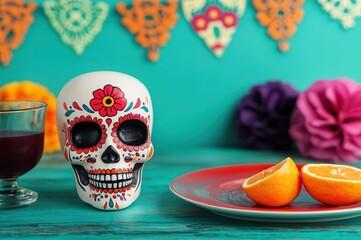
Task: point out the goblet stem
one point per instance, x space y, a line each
7 186
12 195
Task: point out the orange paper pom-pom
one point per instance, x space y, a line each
27 90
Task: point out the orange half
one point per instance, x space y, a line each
276 186
332 184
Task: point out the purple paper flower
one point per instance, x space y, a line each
263 116
326 123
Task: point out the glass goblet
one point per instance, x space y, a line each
21 147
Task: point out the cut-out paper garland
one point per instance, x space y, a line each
77 21
280 18
150 21
215 21
15 20
345 11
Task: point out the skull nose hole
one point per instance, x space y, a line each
110 155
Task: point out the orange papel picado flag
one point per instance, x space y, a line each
15 20
280 17
150 21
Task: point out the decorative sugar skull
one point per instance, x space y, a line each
104 121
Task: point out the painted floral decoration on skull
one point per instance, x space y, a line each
108 101
104 121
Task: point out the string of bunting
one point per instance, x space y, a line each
78 22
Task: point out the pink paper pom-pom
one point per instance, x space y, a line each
326 123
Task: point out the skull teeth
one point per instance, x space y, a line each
110 180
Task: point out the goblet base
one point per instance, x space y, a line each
13 196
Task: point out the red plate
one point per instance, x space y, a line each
220 190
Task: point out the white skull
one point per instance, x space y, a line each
104 122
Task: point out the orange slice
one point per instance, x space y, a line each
332 184
276 186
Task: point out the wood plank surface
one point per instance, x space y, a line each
157 213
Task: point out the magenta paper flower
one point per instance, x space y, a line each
326 123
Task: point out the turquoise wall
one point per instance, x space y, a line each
194 93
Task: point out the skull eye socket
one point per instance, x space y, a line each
85 134
132 132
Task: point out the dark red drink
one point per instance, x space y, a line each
20 152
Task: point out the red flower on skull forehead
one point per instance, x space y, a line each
108 101
94 148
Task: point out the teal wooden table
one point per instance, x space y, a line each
157 213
